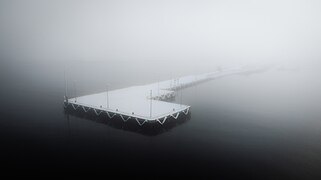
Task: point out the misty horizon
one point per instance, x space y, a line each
261 124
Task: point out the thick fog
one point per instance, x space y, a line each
128 42
260 124
40 39
227 31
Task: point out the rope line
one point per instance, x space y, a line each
83 107
124 119
175 117
161 122
75 108
186 111
65 106
110 115
97 113
140 122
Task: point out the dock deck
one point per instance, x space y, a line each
144 103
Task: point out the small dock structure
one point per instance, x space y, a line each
145 103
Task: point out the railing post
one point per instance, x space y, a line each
75 91
151 100
107 98
181 89
66 87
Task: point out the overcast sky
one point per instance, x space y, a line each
228 30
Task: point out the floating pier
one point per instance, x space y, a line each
144 104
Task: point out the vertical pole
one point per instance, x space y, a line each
174 81
65 82
151 101
178 84
65 85
107 98
75 94
181 89
158 87
195 86
171 80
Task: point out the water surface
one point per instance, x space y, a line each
263 125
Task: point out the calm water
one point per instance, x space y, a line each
265 125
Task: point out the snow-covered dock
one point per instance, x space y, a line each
144 103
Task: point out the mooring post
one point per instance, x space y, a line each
75 92
181 89
151 100
107 98
174 84
158 86
66 98
171 80
178 83
178 86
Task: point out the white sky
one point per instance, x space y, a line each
193 30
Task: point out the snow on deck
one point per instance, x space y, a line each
136 101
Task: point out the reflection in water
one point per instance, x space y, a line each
148 129
251 125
